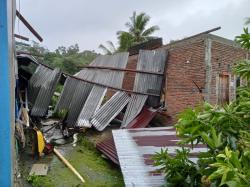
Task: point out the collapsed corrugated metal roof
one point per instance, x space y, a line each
82 99
153 61
106 77
149 61
107 146
141 144
83 94
110 110
41 87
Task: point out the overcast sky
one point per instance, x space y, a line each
91 22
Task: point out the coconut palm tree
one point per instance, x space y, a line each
137 31
109 49
247 21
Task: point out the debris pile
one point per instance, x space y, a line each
83 97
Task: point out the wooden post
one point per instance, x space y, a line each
68 164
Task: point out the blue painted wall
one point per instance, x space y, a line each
5 97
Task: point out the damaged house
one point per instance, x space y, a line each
132 88
199 68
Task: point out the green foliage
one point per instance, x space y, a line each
244 39
214 126
39 181
243 69
109 49
224 129
137 31
86 143
179 170
68 59
231 168
33 180
61 114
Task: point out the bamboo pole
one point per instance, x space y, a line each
68 164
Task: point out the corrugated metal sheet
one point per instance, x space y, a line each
107 146
80 96
83 98
135 147
110 110
72 87
41 88
92 104
106 77
143 119
153 61
134 107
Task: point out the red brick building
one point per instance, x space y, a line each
198 68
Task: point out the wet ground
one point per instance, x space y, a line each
96 170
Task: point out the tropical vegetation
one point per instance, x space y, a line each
138 32
68 59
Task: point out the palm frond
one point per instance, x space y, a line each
243 69
137 31
247 22
150 30
105 49
111 46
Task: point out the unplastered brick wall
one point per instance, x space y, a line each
193 70
129 77
185 76
223 58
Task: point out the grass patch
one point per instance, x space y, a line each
96 171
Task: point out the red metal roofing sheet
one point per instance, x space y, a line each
135 148
107 146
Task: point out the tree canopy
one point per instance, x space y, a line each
68 59
138 32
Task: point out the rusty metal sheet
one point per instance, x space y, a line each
135 148
107 146
143 119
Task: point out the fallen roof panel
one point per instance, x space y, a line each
107 146
113 78
82 99
41 88
153 61
110 110
141 144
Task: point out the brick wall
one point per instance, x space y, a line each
187 63
223 59
129 77
185 66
